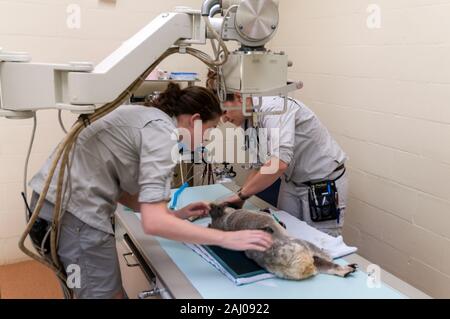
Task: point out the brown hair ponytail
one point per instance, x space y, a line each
175 101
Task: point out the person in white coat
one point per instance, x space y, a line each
308 160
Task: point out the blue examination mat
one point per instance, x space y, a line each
212 284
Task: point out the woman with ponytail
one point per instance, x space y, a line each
126 157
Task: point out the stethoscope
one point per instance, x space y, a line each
257 127
247 140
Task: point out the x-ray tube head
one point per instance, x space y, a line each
252 23
257 20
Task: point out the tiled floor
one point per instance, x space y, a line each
28 280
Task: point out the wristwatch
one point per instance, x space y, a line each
242 197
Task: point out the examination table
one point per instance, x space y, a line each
158 268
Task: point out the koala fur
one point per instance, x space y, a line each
288 258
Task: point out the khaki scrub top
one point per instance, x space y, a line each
299 139
128 150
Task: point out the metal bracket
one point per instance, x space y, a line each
151 293
14 56
281 92
14 115
128 263
77 109
198 27
284 90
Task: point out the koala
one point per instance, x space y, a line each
288 258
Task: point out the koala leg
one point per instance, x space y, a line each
327 267
315 251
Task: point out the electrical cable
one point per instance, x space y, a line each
61 123
61 159
62 154
221 42
27 161
181 170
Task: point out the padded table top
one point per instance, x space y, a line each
211 284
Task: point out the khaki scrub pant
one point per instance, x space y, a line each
88 255
295 201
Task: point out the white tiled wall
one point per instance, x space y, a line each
39 27
385 95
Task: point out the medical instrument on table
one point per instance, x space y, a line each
164 76
225 175
214 175
177 195
95 91
208 175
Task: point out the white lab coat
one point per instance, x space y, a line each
299 139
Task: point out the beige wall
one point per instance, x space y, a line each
385 95
39 27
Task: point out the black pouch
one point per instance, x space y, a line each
324 202
38 233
